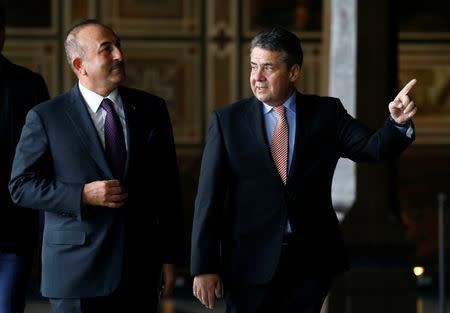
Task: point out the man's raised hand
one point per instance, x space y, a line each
402 109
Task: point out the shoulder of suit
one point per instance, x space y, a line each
313 98
310 102
18 72
54 104
142 100
139 94
237 106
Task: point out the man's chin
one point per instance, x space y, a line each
261 97
119 79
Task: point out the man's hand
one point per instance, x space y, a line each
167 279
108 193
402 109
207 288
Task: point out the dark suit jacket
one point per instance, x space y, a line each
20 90
84 247
237 160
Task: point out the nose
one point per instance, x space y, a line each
118 55
257 74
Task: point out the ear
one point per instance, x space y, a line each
77 65
294 72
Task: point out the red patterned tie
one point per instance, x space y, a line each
280 141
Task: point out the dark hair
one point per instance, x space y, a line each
280 40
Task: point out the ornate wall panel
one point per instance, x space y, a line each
76 10
221 54
31 17
153 17
301 16
423 20
170 70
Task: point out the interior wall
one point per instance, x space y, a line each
194 53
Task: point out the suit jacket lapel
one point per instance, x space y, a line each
129 110
78 113
255 121
301 132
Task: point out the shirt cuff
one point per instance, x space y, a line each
406 129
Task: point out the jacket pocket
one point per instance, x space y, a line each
65 237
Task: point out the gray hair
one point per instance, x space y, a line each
280 40
72 45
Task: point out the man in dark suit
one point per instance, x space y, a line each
272 157
20 90
100 160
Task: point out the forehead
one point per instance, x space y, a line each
259 55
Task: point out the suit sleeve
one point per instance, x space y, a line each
361 144
205 241
32 183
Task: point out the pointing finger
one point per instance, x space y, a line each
406 89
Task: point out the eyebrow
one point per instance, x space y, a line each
106 43
263 64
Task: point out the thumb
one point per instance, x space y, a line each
219 290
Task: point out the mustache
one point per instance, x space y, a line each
118 64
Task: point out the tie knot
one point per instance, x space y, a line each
107 105
280 110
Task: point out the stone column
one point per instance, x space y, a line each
342 84
381 278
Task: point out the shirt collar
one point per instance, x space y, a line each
93 99
289 104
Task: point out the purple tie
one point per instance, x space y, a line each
116 153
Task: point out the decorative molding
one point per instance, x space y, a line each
38 56
152 17
424 36
222 55
421 20
34 24
77 10
302 17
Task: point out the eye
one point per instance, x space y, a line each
106 49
